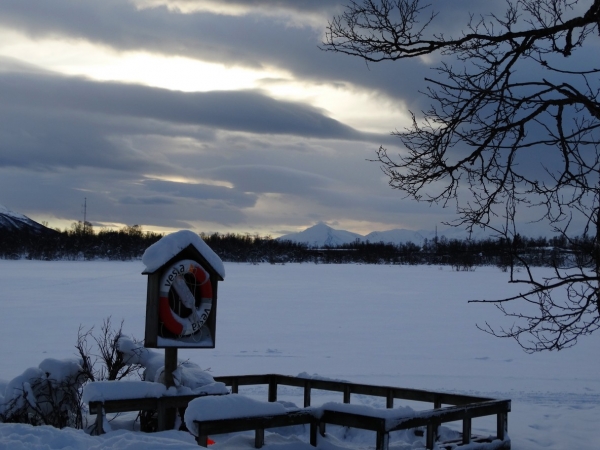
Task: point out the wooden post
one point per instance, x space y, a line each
502 425
431 435
99 421
170 365
259 437
272 388
466 430
347 394
313 432
382 440
307 393
389 400
202 440
166 417
429 439
322 428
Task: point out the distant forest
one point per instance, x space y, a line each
82 242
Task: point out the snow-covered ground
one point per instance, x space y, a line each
393 325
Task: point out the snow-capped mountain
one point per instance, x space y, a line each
321 235
11 221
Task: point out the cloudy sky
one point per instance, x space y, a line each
212 115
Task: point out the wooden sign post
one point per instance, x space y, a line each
181 303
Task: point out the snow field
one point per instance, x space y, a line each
408 326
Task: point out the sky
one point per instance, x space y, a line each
215 116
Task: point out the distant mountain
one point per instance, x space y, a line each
11 221
321 235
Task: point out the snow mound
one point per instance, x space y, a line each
16 436
227 407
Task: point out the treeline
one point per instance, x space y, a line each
82 242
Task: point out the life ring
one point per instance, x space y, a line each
186 297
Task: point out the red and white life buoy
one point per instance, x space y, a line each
186 297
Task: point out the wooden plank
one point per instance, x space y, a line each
219 426
244 380
124 405
453 413
354 420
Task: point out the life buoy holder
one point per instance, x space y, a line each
186 297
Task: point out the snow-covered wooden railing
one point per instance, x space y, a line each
461 407
112 397
106 397
233 413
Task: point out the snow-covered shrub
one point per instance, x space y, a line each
101 357
51 394
47 395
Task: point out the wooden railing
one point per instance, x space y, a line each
446 407
462 407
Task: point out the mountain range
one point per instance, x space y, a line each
14 222
321 235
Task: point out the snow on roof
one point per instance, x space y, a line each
170 245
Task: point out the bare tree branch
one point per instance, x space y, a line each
514 128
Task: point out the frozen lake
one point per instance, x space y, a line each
408 326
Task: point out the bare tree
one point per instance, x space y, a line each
513 129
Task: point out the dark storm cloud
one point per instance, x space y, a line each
30 138
249 111
253 41
47 120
